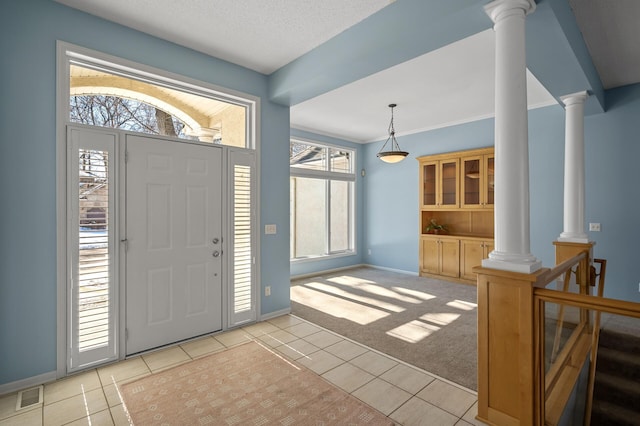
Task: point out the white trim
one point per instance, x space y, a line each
323 257
62 114
29 382
327 271
320 174
399 271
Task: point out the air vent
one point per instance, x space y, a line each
29 397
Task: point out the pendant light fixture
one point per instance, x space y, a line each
394 154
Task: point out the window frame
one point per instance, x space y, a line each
328 176
89 59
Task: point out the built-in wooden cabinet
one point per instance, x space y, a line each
439 255
440 188
456 190
472 251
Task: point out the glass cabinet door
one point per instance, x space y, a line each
471 181
477 179
489 161
449 183
429 184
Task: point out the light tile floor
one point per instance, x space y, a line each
408 395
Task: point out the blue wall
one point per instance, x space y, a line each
28 34
612 149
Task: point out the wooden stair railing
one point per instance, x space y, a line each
595 333
514 386
596 303
564 363
595 337
560 321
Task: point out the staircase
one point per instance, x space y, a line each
616 396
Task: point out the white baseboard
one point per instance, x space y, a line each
400 271
27 383
330 271
275 314
326 271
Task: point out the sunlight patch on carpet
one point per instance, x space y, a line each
415 293
440 318
461 304
350 280
374 289
336 306
327 288
413 331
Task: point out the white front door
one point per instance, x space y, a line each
174 241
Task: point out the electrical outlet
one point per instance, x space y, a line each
639 287
595 227
369 252
270 229
267 290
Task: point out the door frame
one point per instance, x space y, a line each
64 52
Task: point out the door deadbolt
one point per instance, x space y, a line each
215 241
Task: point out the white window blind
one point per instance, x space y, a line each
93 249
243 223
242 252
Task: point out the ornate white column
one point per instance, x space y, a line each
205 134
574 187
511 210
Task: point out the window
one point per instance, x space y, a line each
92 241
108 96
322 189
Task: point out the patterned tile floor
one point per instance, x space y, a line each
407 395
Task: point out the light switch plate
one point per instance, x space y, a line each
270 229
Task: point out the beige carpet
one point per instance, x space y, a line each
429 323
245 385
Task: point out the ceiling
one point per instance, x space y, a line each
432 91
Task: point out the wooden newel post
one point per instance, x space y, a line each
567 250
509 376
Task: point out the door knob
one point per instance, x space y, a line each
216 253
